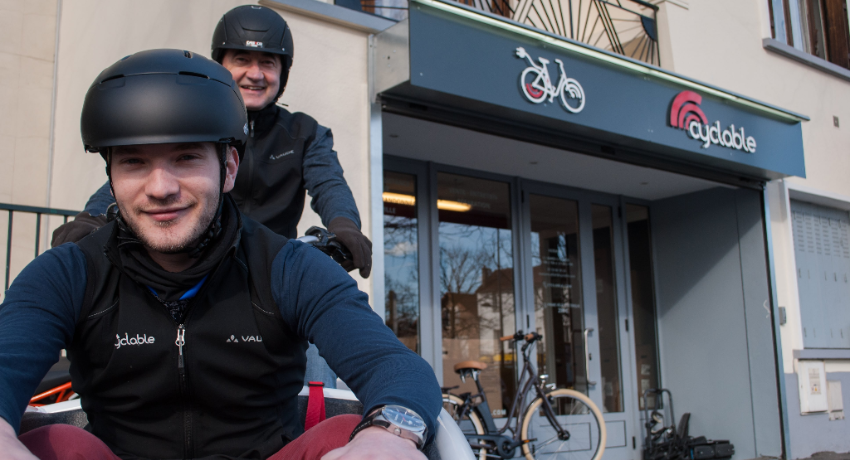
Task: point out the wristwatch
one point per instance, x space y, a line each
399 421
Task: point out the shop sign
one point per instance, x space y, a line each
537 85
685 113
516 77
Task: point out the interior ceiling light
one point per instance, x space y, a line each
398 198
456 206
410 200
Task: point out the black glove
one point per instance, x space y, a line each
360 247
82 226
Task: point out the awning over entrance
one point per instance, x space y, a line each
466 61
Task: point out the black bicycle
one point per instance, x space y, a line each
570 426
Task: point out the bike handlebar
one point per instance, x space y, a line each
530 337
327 242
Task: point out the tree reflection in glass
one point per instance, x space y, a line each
557 291
476 282
401 274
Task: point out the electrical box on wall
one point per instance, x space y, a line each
836 401
811 376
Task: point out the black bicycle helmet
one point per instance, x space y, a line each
255 28
160 97
163 96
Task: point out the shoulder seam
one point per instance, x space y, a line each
102 311
261 309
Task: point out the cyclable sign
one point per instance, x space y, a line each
537 85
685 113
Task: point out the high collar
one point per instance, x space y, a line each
128 255
262 120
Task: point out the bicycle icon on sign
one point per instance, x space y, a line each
537 86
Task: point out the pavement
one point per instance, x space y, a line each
829 456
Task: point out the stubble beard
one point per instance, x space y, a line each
165 242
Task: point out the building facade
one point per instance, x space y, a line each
655 187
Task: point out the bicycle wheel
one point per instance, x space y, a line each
577 414
535 95
572 90
470 422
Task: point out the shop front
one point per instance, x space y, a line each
537 184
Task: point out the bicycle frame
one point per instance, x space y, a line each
528 379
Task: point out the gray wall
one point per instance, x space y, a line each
715 331
814 432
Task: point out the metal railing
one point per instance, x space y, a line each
13 209
626 27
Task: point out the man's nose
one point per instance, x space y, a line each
254 72
161 184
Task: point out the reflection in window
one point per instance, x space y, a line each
606 309
557 291
643 301
476 283
401 275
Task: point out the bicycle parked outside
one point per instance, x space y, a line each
571 426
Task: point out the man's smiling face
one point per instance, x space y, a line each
168 193
257 74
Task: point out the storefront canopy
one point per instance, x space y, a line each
459 59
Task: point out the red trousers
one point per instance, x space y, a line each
66 442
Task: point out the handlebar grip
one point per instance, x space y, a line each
506 338
530 336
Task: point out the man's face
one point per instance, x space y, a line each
256 73
168 193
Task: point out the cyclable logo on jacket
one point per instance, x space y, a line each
537 86
686 114
137 340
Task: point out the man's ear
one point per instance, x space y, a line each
232 167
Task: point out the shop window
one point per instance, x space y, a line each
606 309
643 301
401 272
822 252
477 283
817 27
558 307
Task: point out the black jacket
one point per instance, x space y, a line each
270 183
136 386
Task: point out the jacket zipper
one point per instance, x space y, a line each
184 393
246 207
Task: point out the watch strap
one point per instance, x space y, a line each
373 420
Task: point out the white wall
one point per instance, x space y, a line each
328 81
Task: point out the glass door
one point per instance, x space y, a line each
575 272
476 280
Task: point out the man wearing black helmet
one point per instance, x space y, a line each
186 323
286 155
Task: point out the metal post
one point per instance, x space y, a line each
37 232
777 339
9 249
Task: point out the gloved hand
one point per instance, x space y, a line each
77 229
360 247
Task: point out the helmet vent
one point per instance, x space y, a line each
188 54
194 74
114 77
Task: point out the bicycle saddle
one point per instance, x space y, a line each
476 365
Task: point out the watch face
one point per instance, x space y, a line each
404 418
